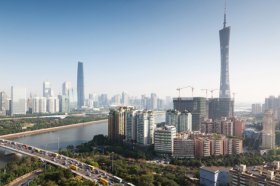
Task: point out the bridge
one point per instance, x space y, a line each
84 170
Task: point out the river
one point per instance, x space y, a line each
62 138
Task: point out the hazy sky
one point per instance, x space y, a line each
140 46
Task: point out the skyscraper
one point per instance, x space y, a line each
80 85
18 101
224 45
47 90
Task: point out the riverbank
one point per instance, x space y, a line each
46 130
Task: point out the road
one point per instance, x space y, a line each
84 170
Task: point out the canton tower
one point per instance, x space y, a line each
224 45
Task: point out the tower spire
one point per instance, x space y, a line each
225 15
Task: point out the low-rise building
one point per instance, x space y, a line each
267 175
214 176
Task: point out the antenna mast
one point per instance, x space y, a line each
225 15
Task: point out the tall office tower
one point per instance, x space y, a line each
196 105
153 101
66 88
68 93
224 45
4 103
80 85
47 89
18 101
268 133
130 127
164 138
145 123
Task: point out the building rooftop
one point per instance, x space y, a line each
215 169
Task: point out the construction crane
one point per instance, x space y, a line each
179 90
212 91
206 91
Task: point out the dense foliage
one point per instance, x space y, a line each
51 175
54 176
128 163
250 159
19 125
18 168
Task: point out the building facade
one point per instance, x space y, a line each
80 86
18 101
197 106
164 139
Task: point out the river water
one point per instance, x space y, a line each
62 138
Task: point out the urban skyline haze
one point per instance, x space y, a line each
140 46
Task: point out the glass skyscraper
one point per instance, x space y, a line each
80 86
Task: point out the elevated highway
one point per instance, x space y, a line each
84 170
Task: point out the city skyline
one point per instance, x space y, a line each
124 50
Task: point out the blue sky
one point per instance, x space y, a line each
140 46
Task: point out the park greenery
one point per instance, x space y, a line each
28 124
18 168
50 176
55 176
129 162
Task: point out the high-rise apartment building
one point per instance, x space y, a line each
80 85
164 138
172 117
185 122
145 127
18 101
183 147
202 147
239 126
52 105
131 126
4 103
268 133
